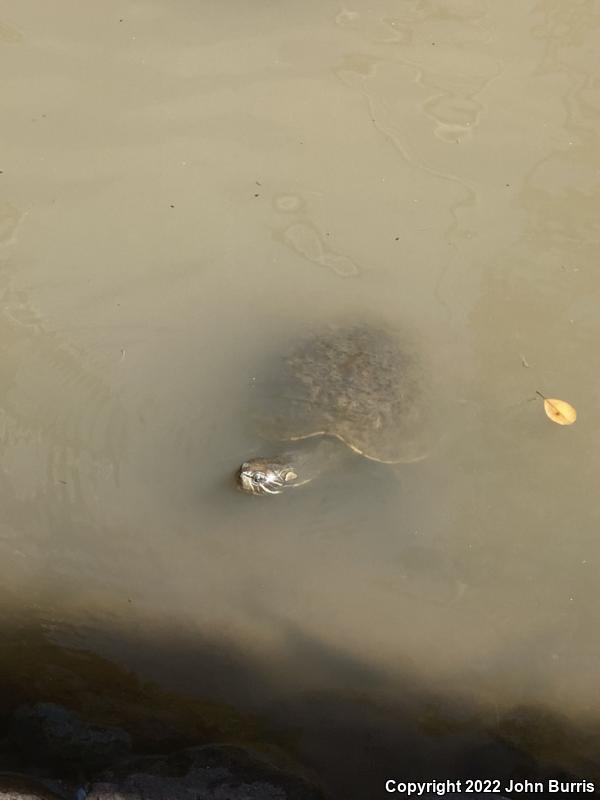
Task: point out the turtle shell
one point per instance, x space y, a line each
358 384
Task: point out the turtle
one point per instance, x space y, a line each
354 387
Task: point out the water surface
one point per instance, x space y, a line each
185 188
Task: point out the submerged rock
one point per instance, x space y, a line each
62 747
50 734
213 772
16 786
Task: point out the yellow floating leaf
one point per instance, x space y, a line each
559 411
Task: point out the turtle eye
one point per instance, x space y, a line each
259 477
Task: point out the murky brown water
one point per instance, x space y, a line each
187 186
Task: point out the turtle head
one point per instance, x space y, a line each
265 476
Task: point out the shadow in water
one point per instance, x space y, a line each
344 722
